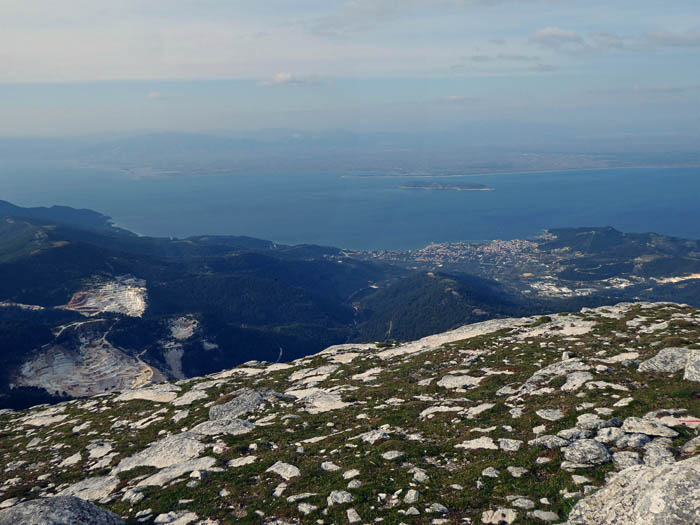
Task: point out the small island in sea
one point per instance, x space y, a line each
444 186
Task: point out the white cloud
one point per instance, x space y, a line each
569 41
602 39
155 95
671 39
97 40
659 89
543 68
458 99
359 15
558 39
516 57
284 78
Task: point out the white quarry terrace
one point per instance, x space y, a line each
94 365
125 295
583 418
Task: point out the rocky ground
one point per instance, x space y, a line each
587 418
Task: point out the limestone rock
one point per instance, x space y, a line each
633 441
517 472
162 393
353 516
351 474
509 445
576 380
452 381
285 470
667 361
231 427
636 425
609 435
306 508
189 398
61 510
490 472
590 422
499 516
658 453
164 453
479 443
548 441
692 367
92 489
373 436
664 495
572 434
338 497
550 414
176 518
543 515
546 374
673 417
329 466
322 401
587 452
175 471
626 459
437 508
246 401
411 497
691 447
523 503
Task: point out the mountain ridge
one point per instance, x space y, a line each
247 298
518 420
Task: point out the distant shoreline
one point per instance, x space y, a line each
511 172
444 187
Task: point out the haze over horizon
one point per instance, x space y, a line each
567 68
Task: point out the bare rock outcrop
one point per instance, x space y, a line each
245 401
664 495
58 511
667 361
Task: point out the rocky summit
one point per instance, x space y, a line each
581 418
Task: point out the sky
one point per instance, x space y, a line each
81 67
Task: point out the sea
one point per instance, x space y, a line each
367 211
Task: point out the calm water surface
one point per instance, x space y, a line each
365 212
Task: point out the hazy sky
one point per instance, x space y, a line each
84 66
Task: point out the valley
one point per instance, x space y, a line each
110 310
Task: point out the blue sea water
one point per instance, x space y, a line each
368 212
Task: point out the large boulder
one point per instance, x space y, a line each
232 427
692 367
637 425
642 495
165 453
92 489
61 510
667 361
587 452
246 400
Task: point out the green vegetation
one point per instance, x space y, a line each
394 400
